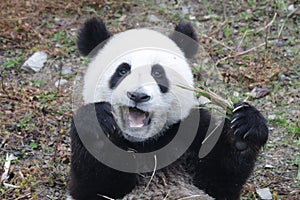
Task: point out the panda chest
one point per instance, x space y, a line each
172 182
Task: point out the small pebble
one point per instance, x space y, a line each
272 116
35 62
153 18
66 70
267 166
291 8
60 82
264 193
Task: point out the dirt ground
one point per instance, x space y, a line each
254 44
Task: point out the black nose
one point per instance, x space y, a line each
138 97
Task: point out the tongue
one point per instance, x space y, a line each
136 118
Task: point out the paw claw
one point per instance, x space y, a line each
234 120
247 133
240 107
248 125
237 108
236 131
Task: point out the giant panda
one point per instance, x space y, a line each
131 99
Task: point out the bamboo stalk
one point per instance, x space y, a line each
213 97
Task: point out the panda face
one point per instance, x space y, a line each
141 83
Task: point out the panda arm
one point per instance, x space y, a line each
227 167
90 178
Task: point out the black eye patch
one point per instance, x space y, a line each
159 75
121 72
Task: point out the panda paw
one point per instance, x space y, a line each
90 116
105 117
249 126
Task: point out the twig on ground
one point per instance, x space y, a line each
3 86
217 41
6 167
259 30
191 197
283 24
244 35
268 25
21 197
218 28
239 53
165 198
154 170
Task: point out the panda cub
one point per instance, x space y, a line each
132 100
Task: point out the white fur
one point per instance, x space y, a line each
142 48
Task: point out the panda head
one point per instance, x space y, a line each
138 72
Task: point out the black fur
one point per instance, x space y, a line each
185 37
92 34
89 177
227 167
221 174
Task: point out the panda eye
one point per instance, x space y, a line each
122 72
123 69
157 74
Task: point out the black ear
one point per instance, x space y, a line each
185 37
92 33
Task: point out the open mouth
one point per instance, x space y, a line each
136 118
